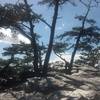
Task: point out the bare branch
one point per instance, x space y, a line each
59 55
95 3
41 19
24 25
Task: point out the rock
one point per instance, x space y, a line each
65 95
87 94
85 87
78 94
73 98
58 95
6 96
97 96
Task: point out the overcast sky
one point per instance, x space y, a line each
66 14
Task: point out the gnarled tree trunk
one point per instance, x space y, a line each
78 40
49 50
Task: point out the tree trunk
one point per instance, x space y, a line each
35 50
49 50
33 41
73 55
78 39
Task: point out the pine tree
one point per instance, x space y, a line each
56 4
82 33
90 57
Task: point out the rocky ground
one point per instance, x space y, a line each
84 85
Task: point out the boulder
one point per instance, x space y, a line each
86 94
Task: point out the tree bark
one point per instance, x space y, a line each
78 40
73 55
33 41
49 50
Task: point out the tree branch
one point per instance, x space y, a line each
41 19
58 55
25 25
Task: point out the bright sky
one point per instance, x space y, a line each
66 13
